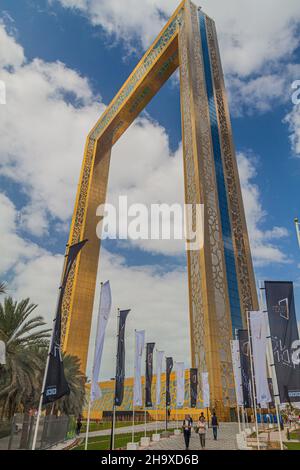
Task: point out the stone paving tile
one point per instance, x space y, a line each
226 440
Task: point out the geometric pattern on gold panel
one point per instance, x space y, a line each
246 279
213 320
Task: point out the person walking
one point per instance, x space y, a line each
214 425
201 425
78 425
187 427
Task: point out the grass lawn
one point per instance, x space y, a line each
105 425
103 442
295 434
292 445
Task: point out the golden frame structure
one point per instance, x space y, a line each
178 45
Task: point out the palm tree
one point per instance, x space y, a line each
2 288
21 379
73 403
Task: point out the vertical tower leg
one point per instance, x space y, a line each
79 298
210 313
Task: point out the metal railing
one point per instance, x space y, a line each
17 434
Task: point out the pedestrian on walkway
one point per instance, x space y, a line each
201 425
187 427
78 425
214 425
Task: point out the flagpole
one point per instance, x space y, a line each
252 378
297 224
88 422
132 423
270 357
156 428
135 351
236 392
239 420
112 435
114 424
145 416
166 410
243 417
47 361
89 408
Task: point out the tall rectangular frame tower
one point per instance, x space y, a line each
221 279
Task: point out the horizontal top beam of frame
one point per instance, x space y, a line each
158 63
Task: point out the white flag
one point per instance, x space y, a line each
236 364
258 325
205 390
139 347
179 369
2 353
103 315
159 365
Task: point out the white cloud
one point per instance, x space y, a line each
293 122
13 246
257 39
38 278
252 34
261 93
11 53
147 174
263 241
50 109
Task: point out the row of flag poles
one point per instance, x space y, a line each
140 347
270 346
266 355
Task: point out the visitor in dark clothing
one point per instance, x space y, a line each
187 427
214 425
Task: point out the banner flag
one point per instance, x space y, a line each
169 367
258 326
179 368
245 367
149 374
56 385
205 390
285 339
139 348
2 353
103 315
159 361
193 387
120 369
236 364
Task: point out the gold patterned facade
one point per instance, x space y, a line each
221 279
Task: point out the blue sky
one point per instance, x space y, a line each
62 62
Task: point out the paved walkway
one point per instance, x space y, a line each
226 440
151 426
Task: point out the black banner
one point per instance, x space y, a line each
193 387
285 338
169 367
149 374
120 369
245 367
56 385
